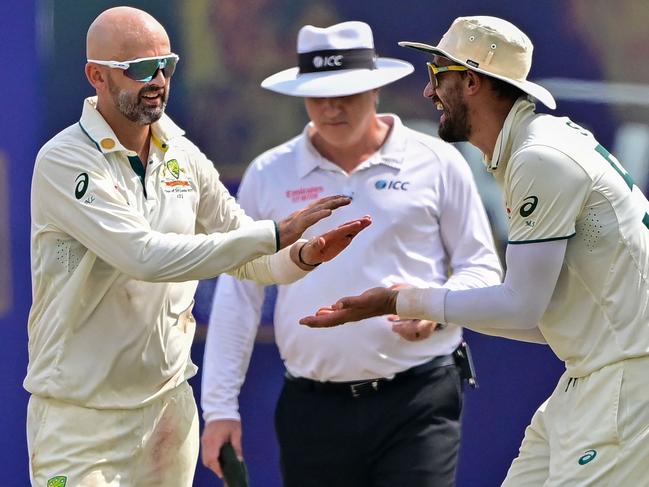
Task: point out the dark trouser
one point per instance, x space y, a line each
404 434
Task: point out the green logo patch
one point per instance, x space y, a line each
174 168
58 481
587 457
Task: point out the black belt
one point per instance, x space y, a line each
365 387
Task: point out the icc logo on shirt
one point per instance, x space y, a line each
397 185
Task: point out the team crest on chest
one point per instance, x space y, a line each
175 178
173 167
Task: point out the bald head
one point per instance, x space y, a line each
123 33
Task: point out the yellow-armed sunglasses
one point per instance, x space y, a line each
433 71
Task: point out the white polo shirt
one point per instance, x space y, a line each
559 182
427 220
116 252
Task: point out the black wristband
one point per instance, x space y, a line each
277 249
299 257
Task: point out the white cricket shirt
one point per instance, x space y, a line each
559 182
427 219
116 252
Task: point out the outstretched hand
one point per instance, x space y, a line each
373 302
328 245
292 227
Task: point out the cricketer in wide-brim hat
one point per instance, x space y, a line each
336 61
493 47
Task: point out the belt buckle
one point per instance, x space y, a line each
360 387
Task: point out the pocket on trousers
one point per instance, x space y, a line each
584 422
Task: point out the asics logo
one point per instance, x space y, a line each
588 456
529 206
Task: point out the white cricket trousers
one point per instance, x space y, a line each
73 446
592 431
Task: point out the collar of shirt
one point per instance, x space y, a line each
391 153
98 130
502 149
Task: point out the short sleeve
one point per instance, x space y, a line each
546 192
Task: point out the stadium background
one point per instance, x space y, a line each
594 60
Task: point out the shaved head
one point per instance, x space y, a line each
126 34
123 33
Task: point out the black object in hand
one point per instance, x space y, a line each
464 361
235 472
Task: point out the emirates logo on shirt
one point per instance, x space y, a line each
304 194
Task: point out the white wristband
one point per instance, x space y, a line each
282 267
422 303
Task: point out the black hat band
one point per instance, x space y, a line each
336 59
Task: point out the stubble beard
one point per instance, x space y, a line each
130 105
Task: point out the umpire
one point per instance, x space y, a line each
378 404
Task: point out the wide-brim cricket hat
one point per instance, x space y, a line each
336 61
490 46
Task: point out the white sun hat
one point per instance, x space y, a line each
490 46
336 61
